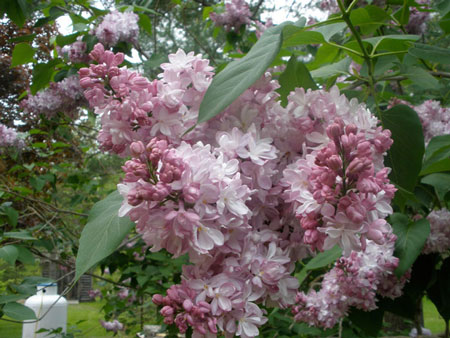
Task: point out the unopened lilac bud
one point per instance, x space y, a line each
113 71
212 325
99 70
84 72
134 198
86 82
351 129
335 162
355 213
364 149
137 148
97 53
187 305
376 236
334 132
167 311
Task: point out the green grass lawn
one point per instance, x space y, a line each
89 313
432 318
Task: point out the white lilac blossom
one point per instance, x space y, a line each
117 27
248 193
352 282
9 137
76 52
236 14
439 238
64 97
113 326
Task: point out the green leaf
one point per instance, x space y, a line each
18 311
392 42
9 253
437 155
24 235
328 31
430 53
324 258
439 292
338 68
368 18
23 38
23 53
402 15
37 183
369 322
411 237
440 182
145 23
11 298
443 165
25 255
12 215
321 260
303 38
421 78
39 145
145 9
444 23
437 148
295 75
326 54
206 11
405 154
102 234
42 74
62 40
230 83
14 10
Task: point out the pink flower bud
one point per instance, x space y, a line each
97 53
335 162
167 311
99 70
86 82
351 129
187 305
84 72
137 148
334 131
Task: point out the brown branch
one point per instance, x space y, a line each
54 208
258 5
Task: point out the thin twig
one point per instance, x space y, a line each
9 191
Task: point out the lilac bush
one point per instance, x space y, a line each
248 193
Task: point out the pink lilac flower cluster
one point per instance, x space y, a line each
246 194
9 138
435 118
94 293
117 27
261 27
339 195
125 294
76 52
113 326
418 18
64 97
439 238
352 282
329 6
135 109
237 13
